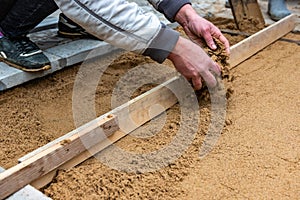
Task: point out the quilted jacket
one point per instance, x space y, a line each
126 25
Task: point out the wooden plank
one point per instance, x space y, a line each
137 108
258 41
62 138
27 193
50 159
46 179
22 174
234 32
138 111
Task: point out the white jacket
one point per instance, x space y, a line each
125 25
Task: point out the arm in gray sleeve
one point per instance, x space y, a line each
169 7
122 24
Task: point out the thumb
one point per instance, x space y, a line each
209 79
209 41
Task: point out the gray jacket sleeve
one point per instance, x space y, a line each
169 7
122 24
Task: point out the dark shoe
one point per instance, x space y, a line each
68 28
23 54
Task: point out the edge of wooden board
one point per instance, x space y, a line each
258 41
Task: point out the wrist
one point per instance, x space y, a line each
178 49
171 7
162 44
183 15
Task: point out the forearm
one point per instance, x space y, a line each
122 24
169 7
183 16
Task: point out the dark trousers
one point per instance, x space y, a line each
18 17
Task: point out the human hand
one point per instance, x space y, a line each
197 28
194 64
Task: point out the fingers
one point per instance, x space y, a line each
209 76
194 64
215 69
207 36
198 27
223 39
209 79
212 32
197 83
217 34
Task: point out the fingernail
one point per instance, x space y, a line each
214 46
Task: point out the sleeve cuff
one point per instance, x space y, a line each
170 8
162 45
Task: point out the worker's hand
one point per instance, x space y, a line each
197 28
193 63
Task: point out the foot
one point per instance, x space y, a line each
68 28
23 54
277 9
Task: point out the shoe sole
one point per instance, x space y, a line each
65 34
44 68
